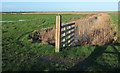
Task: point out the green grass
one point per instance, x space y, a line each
20 54
116 23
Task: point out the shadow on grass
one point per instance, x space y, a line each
83 65
90 60
117 52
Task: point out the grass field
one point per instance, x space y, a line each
19 54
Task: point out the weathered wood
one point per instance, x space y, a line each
58 34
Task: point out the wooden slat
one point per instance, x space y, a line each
66 25
67 39
71 33
67 44
67 30
70 42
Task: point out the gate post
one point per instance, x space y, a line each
58 34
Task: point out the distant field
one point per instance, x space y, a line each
20 54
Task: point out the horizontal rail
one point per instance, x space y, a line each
70 42
66 25
69 34
65 44
67 30
66 40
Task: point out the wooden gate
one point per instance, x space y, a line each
64 34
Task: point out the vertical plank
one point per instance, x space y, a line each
58 34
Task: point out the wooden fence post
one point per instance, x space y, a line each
58 34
